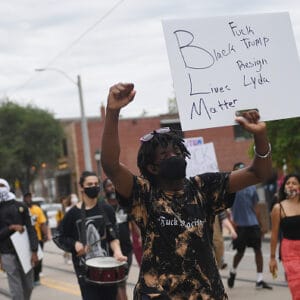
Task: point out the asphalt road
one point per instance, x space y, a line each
59 281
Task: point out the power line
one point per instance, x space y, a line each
84 33
81 36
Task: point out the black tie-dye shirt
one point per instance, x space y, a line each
178 259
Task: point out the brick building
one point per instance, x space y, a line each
230 143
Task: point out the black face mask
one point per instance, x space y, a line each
173 168
92 192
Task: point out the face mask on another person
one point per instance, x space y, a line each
291 193
92 192
5 195
173 168
110 195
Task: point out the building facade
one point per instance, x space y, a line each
231 145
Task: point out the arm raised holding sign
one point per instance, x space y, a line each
261 167
171 210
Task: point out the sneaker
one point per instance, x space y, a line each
230 280
263 285
37 283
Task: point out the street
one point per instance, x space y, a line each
59 281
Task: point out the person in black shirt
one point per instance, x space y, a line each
14 216
88 230
176 214
123 229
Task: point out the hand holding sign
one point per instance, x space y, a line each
249 120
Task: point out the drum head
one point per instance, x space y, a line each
104 262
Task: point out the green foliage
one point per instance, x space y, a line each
284 136
28 137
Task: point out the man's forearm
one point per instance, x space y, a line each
115 246
110 142
262 166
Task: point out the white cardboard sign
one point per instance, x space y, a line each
221 65
203 157
22 247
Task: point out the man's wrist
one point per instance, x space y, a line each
113 112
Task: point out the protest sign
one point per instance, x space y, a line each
203 157
222 65
22 247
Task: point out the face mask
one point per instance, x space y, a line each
110 195
92 192
291 193
4 194
173 168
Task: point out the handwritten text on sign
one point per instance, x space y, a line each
224 64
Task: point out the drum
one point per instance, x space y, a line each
105 270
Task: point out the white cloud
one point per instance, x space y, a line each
128 45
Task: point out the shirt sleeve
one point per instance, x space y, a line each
67 231
214 188
41 218
111 225
136 204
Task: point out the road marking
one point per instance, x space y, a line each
66 287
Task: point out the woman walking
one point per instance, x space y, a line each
286 217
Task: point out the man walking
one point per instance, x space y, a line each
39 221
14 216
244 213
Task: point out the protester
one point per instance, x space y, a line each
123 229
176 214
39 220
66 205
14 216
89 230
245 216
74 199
221 221
286 217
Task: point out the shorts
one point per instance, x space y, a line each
248 236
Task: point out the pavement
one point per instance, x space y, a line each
59 280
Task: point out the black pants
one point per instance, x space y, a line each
90 291
98 292
38 267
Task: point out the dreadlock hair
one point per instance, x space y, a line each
146 154
281 193
85 174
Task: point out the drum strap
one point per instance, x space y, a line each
82 228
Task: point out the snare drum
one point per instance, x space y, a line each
105 270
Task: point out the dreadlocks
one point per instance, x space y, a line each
146 154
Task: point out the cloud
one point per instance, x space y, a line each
128 45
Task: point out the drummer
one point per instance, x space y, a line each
89 230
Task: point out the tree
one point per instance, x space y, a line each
284 137
172 105
29 138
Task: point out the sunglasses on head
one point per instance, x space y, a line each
147 137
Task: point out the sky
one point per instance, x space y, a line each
104 42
